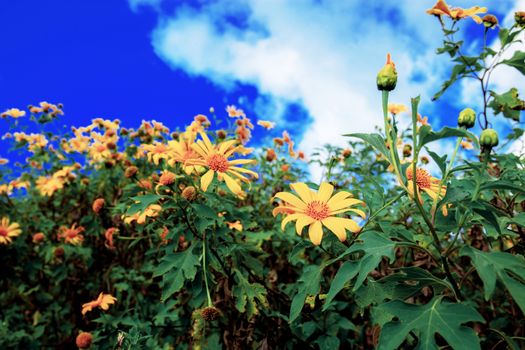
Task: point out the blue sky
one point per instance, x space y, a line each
308 65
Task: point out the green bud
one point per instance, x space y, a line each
488 138
387 76
519 17
490 21
467 118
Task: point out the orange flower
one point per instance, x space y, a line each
109 237
38 237
182 151
71 235
13 113
234 225
152 211
422 120
157 151
103 301
84 340
98 204
456 13
266 124
270 155
466 145
233 112
167 178
8 230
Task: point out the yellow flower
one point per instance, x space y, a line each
424 182
157 151
233 112
234 225
103 301
151 211
71 235
396 108
13 113
266 124
467 145
215 159
182 151
456 13
8 231
318 209
49 185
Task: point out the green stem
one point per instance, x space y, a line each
210 304
433 232
390 142
387 204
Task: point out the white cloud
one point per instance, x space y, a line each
323 55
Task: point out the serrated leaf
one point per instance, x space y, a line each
507 103
498 265
248 295
425 321
375 247
517 61
426 135
204 211
376 141
308 284
175 269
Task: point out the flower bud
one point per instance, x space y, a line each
84 340
490 21
467 118
131 171
38 237
387 76
189 193
167 178
210 313
98 204
270 155
519 17
488 138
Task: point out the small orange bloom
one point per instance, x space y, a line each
235 225
103 301
13 113
266 124
71 235
84 340
109 237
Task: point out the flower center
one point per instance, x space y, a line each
71 234
3 232
219 163
422 177
317 210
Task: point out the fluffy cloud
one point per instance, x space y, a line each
322 55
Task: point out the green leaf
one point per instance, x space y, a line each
502 266
374 246
142 202
248 295
517 61
440 161
501 185
508 103
204 211
427 320
376 141
426 135
175 269
308 284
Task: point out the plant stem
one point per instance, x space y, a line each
210 304
390 142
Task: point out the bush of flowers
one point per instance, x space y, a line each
150 238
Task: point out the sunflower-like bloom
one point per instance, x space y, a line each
8 231
71 235
103 301
396 108
13 113
157 151
216 159
151 211
182 151
318 209
456 13
424 182
49 185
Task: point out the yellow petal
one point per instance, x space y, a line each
343 204
325 192
303 191
302 221
315 232
226 145
288 218
336 226
339 196
206 180
232 184
292 199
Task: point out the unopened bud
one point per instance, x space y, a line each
189 193
131 171
467 118
98 204
387 76
84 340
490 21
488 138
519 17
